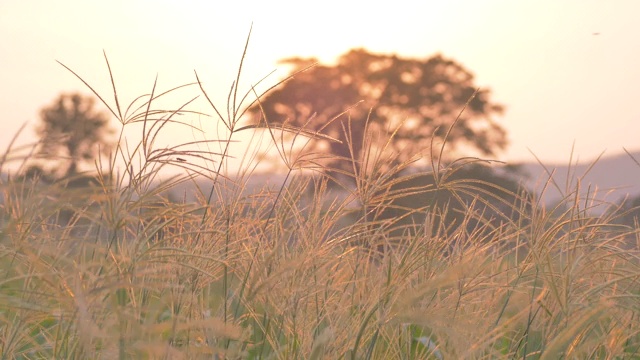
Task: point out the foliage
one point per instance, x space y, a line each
470 193
419 98
629 212
72 133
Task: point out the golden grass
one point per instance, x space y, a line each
118 270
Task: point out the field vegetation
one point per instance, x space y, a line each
390 261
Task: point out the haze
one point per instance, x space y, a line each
567 71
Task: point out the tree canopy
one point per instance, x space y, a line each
71 133
424 96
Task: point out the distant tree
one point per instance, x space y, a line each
478 197
71 133
427 95
629 211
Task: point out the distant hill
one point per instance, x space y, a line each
256 183
610 179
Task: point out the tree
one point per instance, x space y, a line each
425 96
73 133
628 211
474 195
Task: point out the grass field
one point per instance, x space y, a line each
119 270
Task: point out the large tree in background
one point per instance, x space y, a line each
427 95
71 133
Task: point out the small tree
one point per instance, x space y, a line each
72 133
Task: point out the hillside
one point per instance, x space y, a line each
609 179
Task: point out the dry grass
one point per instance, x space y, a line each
120 271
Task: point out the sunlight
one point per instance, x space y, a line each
542 61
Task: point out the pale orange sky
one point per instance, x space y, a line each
560 83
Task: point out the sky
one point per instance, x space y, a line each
566 71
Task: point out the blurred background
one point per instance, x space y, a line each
565 72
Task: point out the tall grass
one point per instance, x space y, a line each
117 269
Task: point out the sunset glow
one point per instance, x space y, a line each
565 71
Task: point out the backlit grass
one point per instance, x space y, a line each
119 269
